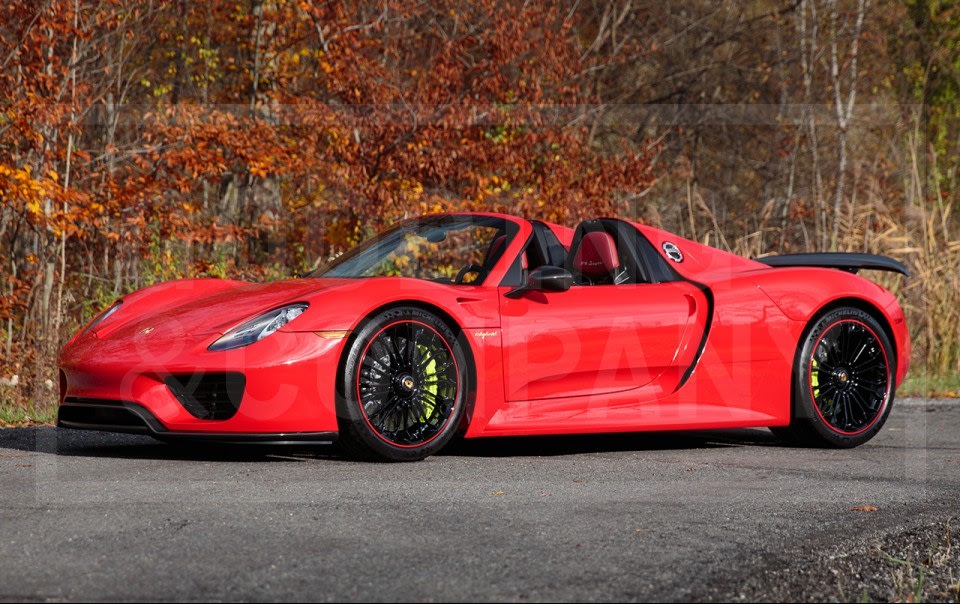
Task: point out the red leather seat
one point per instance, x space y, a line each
596 258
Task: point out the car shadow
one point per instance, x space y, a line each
82 443
548 446
89 443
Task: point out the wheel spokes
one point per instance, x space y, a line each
407 383
849 376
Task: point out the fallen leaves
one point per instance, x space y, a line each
865 508
27 422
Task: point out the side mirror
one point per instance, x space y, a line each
545 279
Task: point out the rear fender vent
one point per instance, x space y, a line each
213 396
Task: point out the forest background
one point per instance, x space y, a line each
147 140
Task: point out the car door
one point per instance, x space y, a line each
597 339
601 338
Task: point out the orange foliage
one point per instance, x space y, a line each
148 140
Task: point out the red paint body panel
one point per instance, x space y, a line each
742 379
565 344
799 292
290 380
823 287
713 349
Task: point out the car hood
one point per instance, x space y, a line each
206 312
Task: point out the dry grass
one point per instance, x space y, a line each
15 415
927 575
921 384
922 233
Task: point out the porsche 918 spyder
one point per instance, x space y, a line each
491 325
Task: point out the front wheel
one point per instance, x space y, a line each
402 390
843 381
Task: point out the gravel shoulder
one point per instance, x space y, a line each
916 564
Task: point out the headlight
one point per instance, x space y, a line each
259 328
103 316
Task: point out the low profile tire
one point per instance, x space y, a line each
402 390
843 382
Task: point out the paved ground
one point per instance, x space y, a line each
703 516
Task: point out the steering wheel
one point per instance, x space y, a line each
470 268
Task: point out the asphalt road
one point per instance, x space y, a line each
91 516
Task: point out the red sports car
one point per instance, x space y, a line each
491 325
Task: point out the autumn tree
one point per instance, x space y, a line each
150 140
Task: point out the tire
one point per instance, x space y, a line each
843 385
402 388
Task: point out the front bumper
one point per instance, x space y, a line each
290 386
131 418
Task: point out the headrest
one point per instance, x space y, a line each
596 255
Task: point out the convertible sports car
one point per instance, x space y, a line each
490 325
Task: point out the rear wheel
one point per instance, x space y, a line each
843 382
402 390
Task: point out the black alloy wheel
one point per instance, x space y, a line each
843 381
403 387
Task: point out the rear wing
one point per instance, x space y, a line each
843 261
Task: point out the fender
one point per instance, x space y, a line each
823 287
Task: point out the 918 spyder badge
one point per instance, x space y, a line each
672 251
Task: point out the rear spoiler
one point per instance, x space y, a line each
845 262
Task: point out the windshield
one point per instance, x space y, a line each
459 249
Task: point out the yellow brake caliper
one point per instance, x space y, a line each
815 378
430 373
815 384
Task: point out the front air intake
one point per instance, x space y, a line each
98 414
213 396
